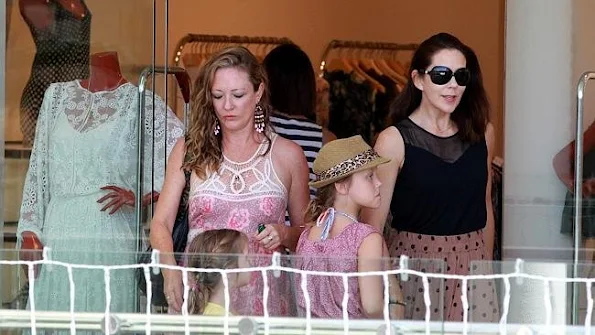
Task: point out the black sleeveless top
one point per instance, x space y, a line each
441 187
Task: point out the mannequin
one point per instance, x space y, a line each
39 13
61 31
105 75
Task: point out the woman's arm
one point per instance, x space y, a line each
298 195
167 206
292 168
327 136
163 222
390 145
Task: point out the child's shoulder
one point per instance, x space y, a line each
364 228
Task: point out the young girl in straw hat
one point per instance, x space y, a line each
337 242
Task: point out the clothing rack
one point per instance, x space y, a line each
362 45
216 42
203 45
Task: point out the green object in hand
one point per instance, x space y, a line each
260 228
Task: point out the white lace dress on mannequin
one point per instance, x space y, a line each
84 141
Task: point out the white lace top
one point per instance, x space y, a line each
86 140
240 196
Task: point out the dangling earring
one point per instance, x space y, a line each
217 128
259 119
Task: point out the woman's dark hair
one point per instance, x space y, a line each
292 83
472 114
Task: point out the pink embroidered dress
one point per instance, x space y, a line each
241 196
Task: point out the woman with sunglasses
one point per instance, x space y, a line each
437 184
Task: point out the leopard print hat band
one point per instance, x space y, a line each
340 158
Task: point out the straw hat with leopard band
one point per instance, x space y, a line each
341 158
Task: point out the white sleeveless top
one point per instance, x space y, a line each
239 196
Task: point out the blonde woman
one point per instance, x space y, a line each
243 174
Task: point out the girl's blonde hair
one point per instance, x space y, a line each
325 197
203 147
212 249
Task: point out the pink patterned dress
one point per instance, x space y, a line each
241 196
335 254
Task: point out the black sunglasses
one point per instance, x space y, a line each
441 75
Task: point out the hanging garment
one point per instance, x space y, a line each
588 204
84 141
240 196
382 102
62 54
351 106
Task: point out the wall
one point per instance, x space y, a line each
583 56
313 23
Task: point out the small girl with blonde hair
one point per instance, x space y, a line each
216 249
346 183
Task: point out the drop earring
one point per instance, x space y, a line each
259 119
217 129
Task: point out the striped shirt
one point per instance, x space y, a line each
304 133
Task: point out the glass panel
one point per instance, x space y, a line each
529 299
71 121
52 289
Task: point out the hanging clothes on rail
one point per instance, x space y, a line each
351 106
382 101
362 87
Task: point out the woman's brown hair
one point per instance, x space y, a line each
212 249
203 147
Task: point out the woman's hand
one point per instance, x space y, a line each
396 312
31 250
173 289
272 236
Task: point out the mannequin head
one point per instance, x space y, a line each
105 72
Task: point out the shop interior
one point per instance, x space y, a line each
183 33
335 34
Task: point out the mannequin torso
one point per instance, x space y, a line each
105 72
40 14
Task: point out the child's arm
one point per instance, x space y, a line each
371 288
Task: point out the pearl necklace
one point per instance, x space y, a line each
353 219
326 220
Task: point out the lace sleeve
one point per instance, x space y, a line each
36 193
166 130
